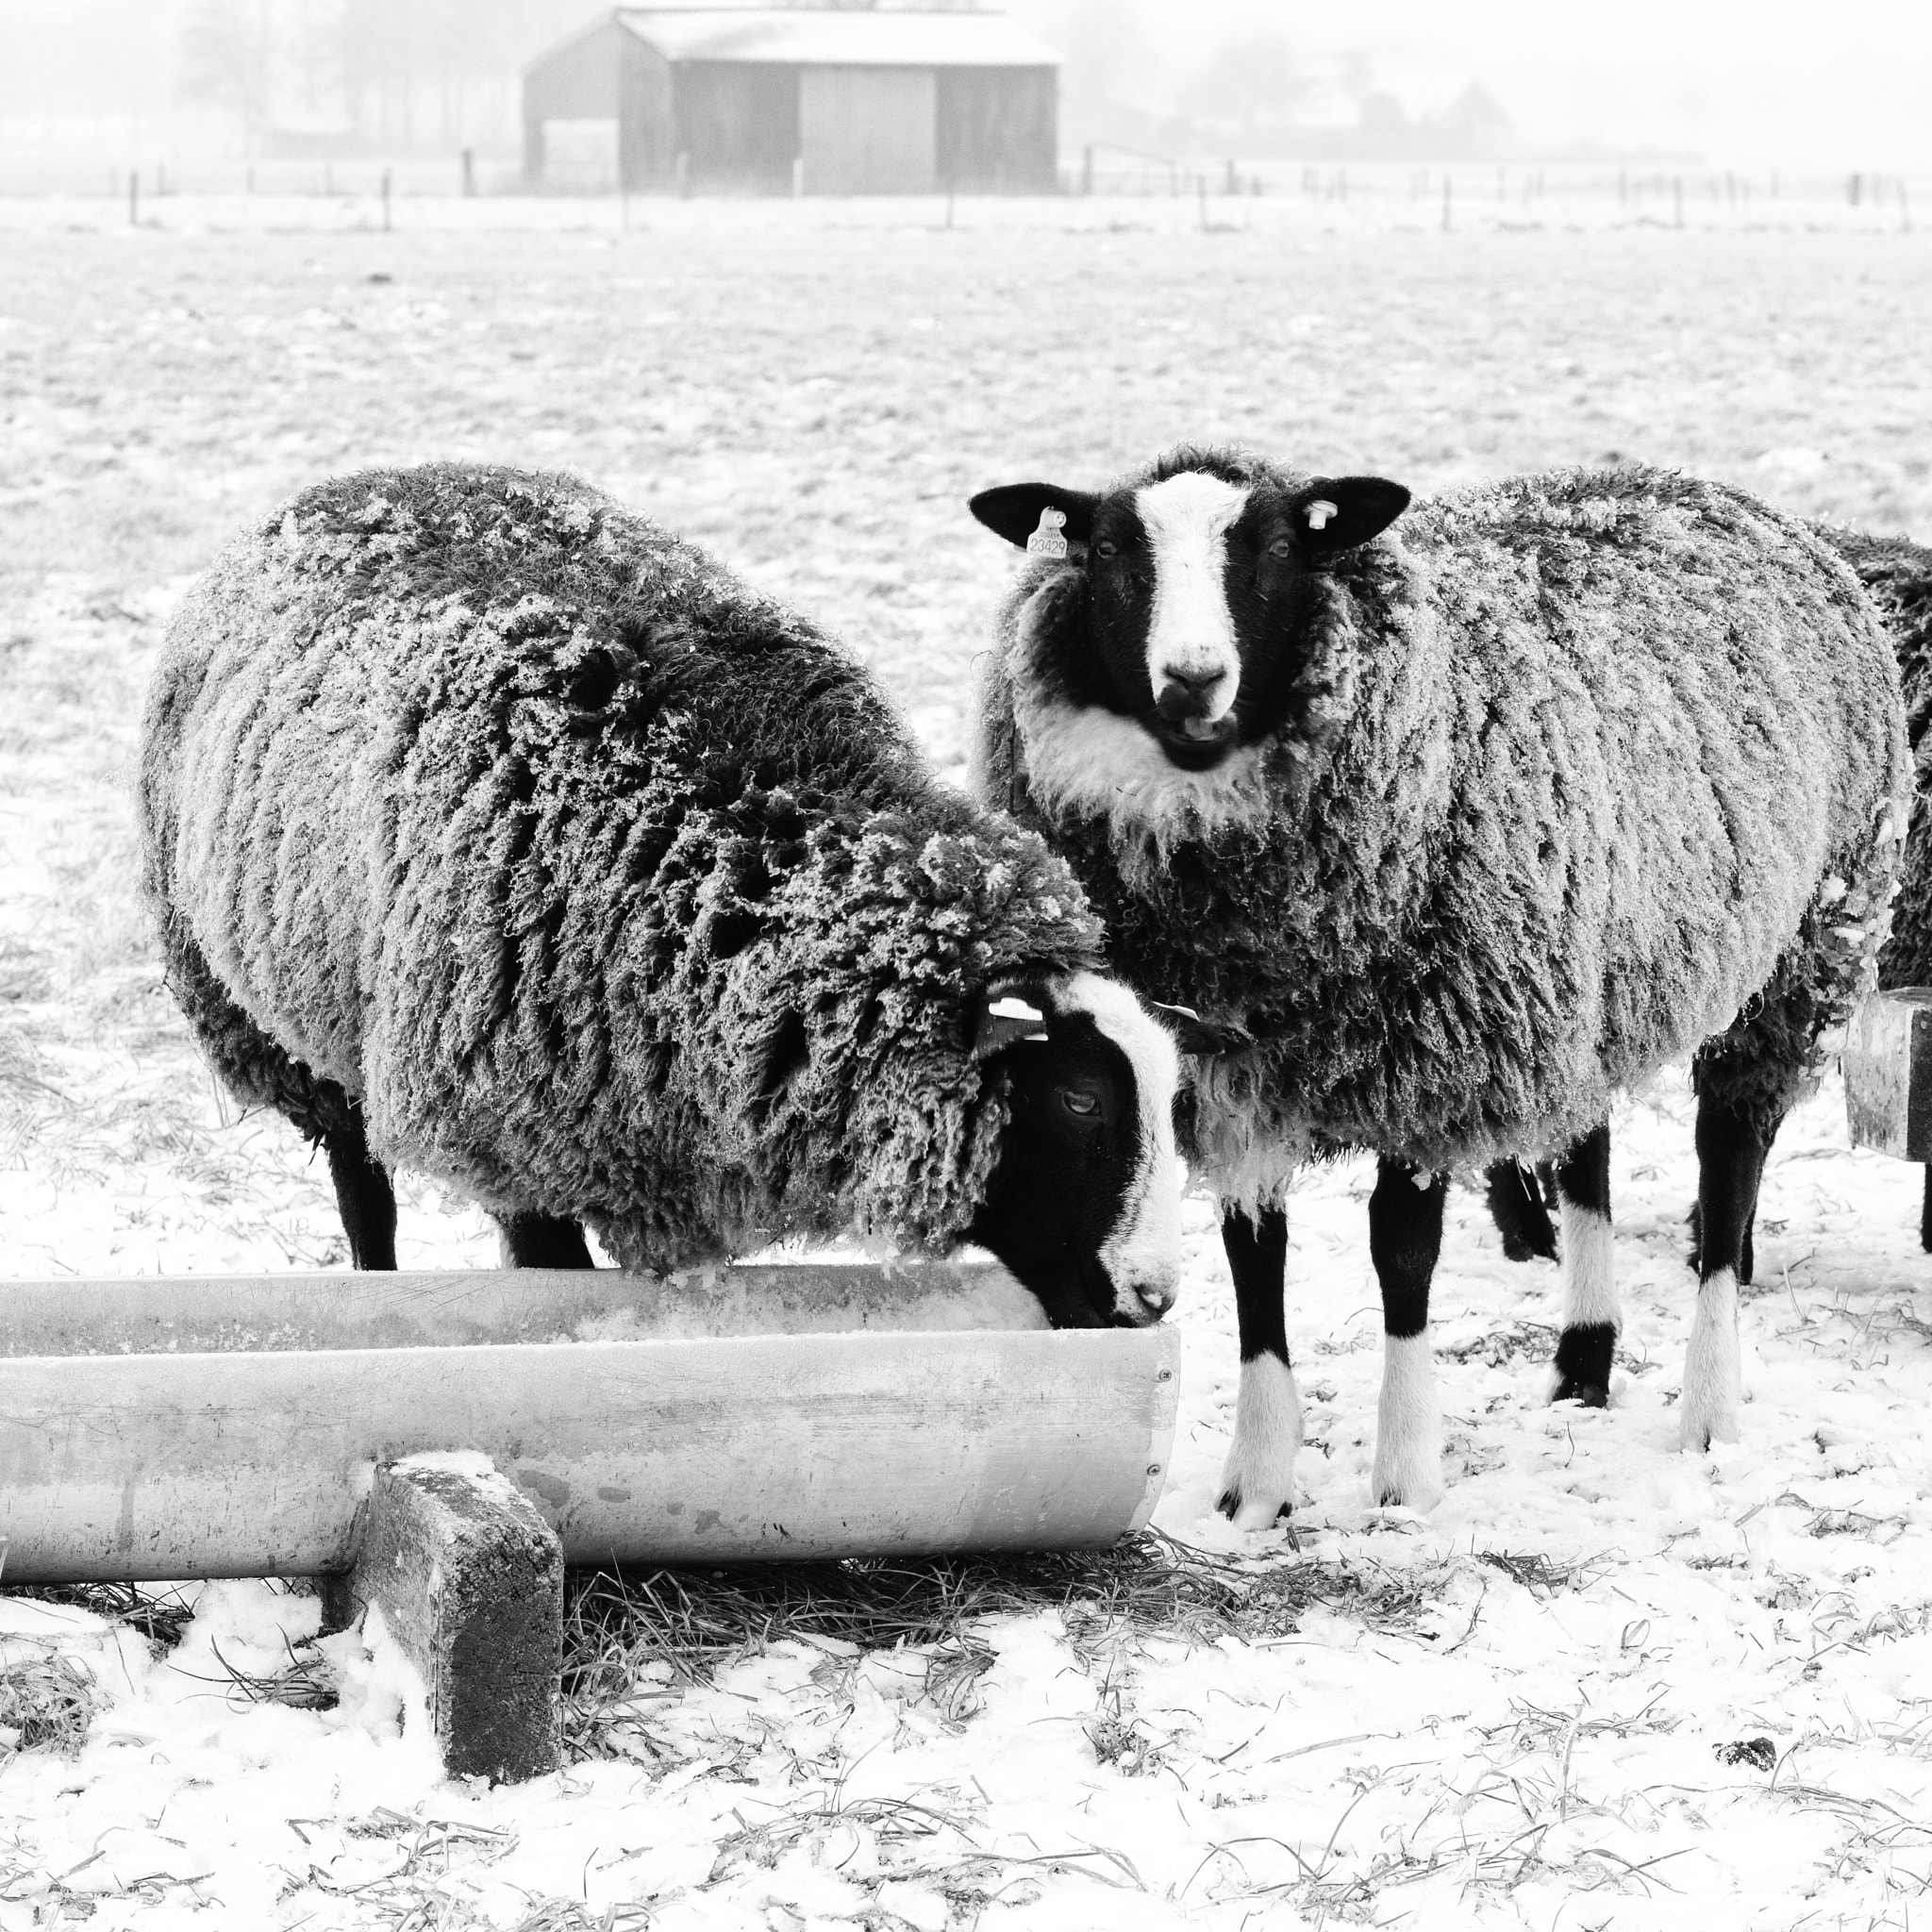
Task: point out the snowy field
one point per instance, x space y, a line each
1538 1707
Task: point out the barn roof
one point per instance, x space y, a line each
792 36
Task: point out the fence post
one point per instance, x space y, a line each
385 201
1448 192
1678 190
469 171
134 198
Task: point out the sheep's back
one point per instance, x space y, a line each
594 877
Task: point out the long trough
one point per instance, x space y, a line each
225 1426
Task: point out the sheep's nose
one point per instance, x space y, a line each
1157 1297
1184 695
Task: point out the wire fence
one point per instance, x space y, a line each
1214 194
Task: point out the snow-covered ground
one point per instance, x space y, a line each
1518 1711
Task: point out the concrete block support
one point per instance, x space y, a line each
469 1580
1888 1064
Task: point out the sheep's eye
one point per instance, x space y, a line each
1281 549
1085 1105
1105 547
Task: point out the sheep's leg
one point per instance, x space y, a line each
1590 1314
1257 1483
1404 1238
1926 1212
542 1241
1518 1197
363 1195
1732 1143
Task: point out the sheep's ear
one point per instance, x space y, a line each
1009 1017
1015 510
1199 1037
1338 513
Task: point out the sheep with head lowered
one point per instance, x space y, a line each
1470 813
496 833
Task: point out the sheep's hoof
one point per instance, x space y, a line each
1583 1364
1409 1474
1589 1395
1252 1515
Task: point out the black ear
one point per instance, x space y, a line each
1014 510
1010 1015
1199 1037
1338 513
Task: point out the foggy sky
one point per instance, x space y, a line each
1746 82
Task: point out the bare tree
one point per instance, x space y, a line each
227 57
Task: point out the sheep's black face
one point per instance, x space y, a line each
1083 1206
1194 583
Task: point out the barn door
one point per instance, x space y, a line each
867 130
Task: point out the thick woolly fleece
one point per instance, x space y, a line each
1898 574
1580 771
601 885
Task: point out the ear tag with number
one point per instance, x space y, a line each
1046 539
1319 513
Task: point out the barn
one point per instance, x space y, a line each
806 100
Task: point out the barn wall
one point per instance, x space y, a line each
737 123
998 129
646 131
868 130
578 82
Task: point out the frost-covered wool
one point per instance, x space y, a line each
1576 766
604 886
1898 574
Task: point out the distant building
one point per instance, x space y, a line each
778 100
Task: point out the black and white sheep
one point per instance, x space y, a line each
495 833
1897 574
1469 826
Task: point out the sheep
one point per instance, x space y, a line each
1471 824
1897 574
496 833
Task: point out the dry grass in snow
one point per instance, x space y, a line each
1604 1684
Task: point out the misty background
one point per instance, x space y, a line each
1719 82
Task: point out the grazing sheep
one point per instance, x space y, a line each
496 833
1471 828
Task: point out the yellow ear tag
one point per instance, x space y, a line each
1319 513
1046 539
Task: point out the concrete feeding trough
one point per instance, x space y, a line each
442 1445
1887 1067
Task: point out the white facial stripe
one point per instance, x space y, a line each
1190 633
1142 1254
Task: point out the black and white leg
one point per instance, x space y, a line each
1926 1212
1590 1313
1257 1483
1732 1143
363 1195
542 1241
1404 1238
